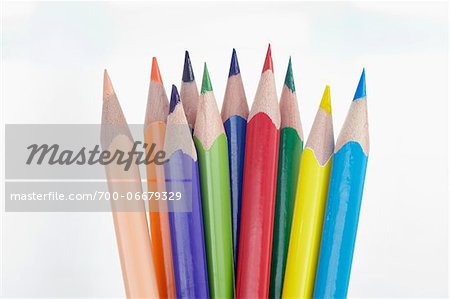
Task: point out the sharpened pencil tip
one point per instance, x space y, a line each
174 99
361 89
156 74
289 80
206 82
107 85
234 65
325 104
268 63
188 73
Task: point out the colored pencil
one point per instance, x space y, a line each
211 144
344 200
154 131
234 117
189 91
186 228
310 203
290 152
133 239
259 188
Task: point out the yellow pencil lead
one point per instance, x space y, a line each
325 104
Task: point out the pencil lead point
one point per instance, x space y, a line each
361 89
289 80
268 63
325 104
206 82
174 99
188 73
156 75
107 85
234 66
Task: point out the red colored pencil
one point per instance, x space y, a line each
259 189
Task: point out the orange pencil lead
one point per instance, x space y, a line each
156 75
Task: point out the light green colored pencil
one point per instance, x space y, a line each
211 143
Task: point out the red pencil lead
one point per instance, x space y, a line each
268 63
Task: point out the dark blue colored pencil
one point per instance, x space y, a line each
234 117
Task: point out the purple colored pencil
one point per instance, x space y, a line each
185 214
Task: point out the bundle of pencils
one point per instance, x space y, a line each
258 216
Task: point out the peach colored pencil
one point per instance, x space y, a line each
130 221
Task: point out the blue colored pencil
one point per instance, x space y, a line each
344 201
234 117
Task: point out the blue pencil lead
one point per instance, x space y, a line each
361 89
234 65
174 99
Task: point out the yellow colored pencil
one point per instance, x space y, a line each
312 189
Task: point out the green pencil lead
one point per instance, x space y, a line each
206 82
289 80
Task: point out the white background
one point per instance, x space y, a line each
53 56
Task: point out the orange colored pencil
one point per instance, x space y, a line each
154 133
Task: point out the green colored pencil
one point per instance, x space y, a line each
290 152
211 143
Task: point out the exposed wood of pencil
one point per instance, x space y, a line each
235 101
321 136
154 133
356 125
179 135
208 124
131 228
290 114
266 96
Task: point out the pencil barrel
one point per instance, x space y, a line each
291 147
215 190
306 228
341 222
135 249
258 204
235 129
186 228
158 217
